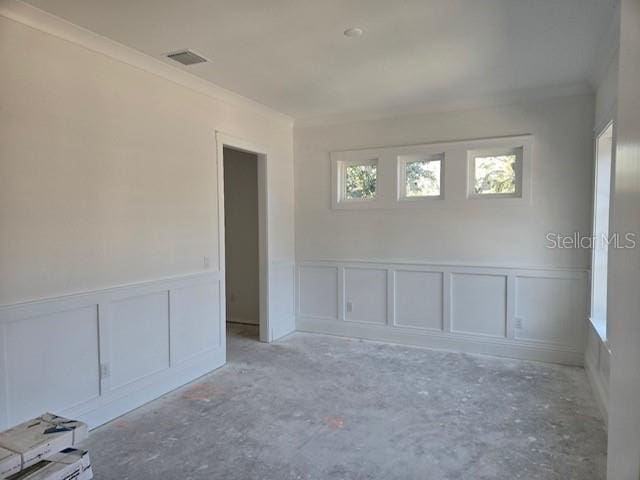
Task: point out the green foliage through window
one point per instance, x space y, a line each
495 174
360 181
422 178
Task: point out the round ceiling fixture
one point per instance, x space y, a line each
353 32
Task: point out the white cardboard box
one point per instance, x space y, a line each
10 463
70 464
42 437
79 429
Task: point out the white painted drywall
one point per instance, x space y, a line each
597 350
607 95
458 230
108 172
108 178
469 274
624 274
241 236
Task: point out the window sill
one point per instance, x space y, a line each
600 326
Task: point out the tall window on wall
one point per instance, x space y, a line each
600 251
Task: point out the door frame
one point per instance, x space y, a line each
224 140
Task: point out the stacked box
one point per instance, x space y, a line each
39 440
60 424
10 463
70 464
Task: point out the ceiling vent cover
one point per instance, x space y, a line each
186 57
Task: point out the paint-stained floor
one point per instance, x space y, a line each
321 407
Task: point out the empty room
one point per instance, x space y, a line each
341 239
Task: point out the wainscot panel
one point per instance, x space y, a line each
418 299
596 361
282 320
517 312
97 355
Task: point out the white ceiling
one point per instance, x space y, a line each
291 55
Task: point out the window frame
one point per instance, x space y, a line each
602 167
401 188
518 151
454 186
373 162
340 195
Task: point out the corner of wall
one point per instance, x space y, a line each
596 364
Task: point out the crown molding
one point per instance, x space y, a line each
45 22
516 97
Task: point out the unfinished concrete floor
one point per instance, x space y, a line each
320 407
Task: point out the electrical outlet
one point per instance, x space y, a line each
518 323
349 307
205 262
105 371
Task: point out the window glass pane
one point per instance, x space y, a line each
422 178
360 181
495 174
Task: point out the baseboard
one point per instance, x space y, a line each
161 384
443 341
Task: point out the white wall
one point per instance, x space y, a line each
108 185
598 351
624 275
241 236
607 94
463 231
497 248
108 172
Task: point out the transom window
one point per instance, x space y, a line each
420 176
434 175
495 173
360 180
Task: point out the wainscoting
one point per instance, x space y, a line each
97 355
528 313
597 359
281 295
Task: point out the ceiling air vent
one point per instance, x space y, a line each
186 57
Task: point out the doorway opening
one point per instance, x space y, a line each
241 230
242 240
600 252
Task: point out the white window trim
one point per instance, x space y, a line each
343 179
600 322
522 148
454 187
340 199
472 155
401 187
